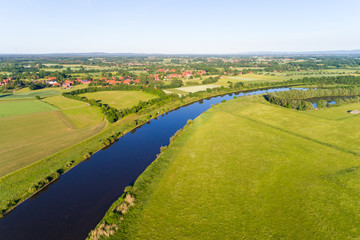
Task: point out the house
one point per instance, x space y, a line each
51 82
67 84
113 82
174 76
127 81
187 73
201 72
85 81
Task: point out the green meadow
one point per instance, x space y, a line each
247 169
14 108
29 138
120 99
30 94
63 102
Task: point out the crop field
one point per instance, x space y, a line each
63 102
247 169
14 108
32 94
198 88
59 90
29 138
84 116
176 91
120 99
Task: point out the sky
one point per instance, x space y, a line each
159 26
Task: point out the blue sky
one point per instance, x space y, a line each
146 26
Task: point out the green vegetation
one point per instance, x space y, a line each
211 80
216 180
297 98
14 108
84 116
32 94
336 113
40 147
63 103
29 138
113 114
120 99
194 89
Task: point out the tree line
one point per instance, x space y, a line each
113 114
298 99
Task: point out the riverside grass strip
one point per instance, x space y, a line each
247 169
19 185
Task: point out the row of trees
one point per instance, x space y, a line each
211 80
297 99
113 114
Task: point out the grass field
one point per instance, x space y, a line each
14 108
247 169
62 102
120 99
59 90
193 89
337 113
29 138
30 94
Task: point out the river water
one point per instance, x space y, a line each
73 205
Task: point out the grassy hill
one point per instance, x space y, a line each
247 169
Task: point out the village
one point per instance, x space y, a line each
163 75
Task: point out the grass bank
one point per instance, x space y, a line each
16 187
247 169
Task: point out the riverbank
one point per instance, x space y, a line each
20 185
217 180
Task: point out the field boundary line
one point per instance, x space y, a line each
56 110
301 136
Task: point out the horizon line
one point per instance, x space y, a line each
354 51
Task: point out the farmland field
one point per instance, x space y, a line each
193 89
247 169
29 138
31 94
62 102
120 99
59 90
14 108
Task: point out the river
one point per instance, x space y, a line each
73 205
